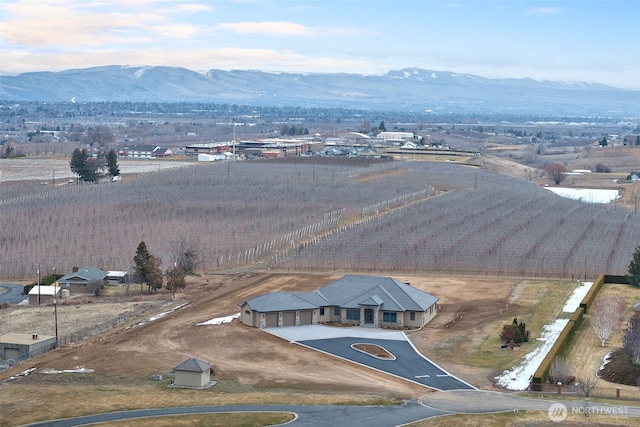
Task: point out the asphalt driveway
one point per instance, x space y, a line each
11 293
409 364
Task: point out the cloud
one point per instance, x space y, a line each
274 27
545 11
72 23
194 59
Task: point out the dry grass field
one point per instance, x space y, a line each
252 366
255 367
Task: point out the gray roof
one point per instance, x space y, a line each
84 275
350 291
193 365
279 301
396 295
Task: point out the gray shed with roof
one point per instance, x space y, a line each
192 373
353 299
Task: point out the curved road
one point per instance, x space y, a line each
11 293
432 405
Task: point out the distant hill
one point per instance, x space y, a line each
408 89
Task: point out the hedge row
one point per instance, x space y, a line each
542 373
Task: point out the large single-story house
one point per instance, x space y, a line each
192 373
352 299
83 280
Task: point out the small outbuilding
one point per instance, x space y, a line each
25 346
41 295
192 373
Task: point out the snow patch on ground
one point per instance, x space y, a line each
220 320
576 297
158 316
587 195
20 374
606 359
519 377
77 370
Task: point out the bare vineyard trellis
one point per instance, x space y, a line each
317 215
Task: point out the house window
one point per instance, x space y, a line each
336 311
247 311
353 314
389 317
412 316
321 311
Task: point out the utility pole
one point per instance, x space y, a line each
233 120
38 271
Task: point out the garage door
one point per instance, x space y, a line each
289 318
272 320
305 317
11 353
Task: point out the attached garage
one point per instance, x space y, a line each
289 318
272 320
306 317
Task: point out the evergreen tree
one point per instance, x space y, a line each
154 273
382 127
112 163
634 269
141 260
604 142
78 161
638 140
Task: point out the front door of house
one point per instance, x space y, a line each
368 315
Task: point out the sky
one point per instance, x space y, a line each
577 40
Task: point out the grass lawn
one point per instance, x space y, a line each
244 419
585 353
99 395
525 418
536 303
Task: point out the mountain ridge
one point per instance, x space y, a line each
404 89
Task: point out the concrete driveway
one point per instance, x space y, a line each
409 364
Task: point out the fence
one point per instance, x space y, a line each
542 373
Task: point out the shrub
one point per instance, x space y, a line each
514 331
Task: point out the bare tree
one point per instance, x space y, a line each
587 384
560 370
185 255
175 280
100 136
96 287
607 316
631 337
557 172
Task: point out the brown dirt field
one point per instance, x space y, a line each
255 358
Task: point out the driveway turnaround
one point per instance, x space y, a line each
11 293
408 364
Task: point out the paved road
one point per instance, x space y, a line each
306 416
431 405
11 293
408 364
